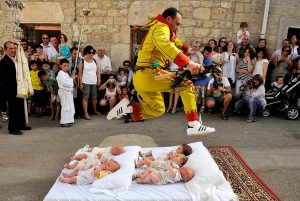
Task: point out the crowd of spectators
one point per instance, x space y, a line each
240 80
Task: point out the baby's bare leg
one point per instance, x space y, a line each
72 180
151 178
79 157
71 166
146 161
75 173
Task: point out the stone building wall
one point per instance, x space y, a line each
109 21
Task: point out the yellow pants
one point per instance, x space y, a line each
152 104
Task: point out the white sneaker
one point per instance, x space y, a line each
199 129
119 110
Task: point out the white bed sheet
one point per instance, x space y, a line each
170 192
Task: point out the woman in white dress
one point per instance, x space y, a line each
228 61
261 64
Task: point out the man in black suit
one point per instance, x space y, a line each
8 84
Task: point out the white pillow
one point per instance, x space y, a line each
121 179
208 182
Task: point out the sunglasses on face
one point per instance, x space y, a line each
45 38
223 41
92 52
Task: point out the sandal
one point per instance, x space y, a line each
224 117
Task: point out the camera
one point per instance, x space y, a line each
111 80
216 84
249 84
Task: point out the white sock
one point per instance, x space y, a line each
128 109
192 123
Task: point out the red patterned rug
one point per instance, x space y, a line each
244 182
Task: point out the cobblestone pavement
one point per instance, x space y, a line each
29 164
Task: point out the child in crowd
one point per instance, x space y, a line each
90 175
38 97
160 176
65 92
124 93
242 32
64 49
121 77
276 86
46 68
201 84
52 87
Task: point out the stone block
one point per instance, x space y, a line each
200 32
188 22
88 28
123 13
140 10
188 31
226 5
119 53
116 38
119 20
120 4
206 4
125 34
219 13
273 19
100 28
272 29
239 7
105 5
248 8
113 13
190 4
215 33
220 24
187 12
229 25
92 20
202 13
108 20
93 4
242 17
98 12
216 3
208 24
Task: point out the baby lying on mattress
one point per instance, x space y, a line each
83 177
165 153
159 175
94 157
179 155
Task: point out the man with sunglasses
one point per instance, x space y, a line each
48 48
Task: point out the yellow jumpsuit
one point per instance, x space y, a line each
160 45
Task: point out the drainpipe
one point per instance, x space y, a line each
265 20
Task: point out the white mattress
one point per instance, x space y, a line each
215 190
67 192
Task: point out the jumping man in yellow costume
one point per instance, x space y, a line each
161 46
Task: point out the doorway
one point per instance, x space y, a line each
34 32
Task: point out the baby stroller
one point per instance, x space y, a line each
281 100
